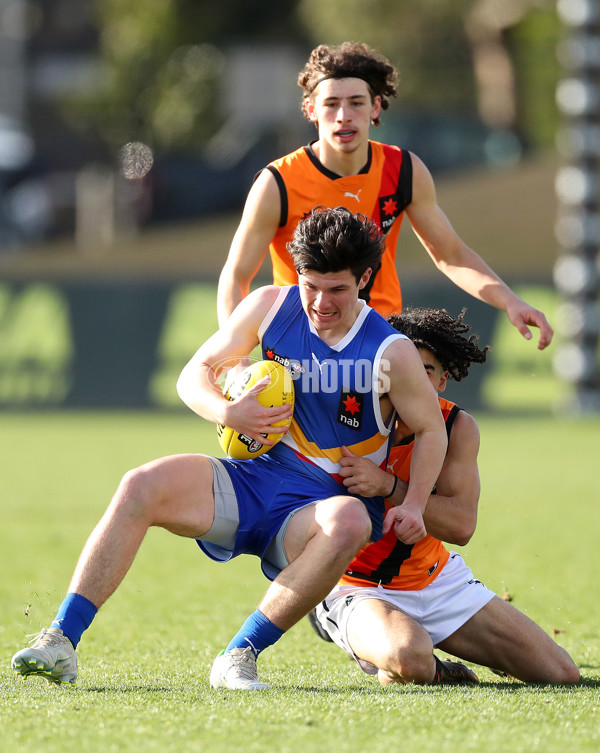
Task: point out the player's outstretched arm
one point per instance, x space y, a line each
199 387
462 264
257 227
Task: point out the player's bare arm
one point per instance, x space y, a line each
451 513
257 227
199 387
412 395
462 264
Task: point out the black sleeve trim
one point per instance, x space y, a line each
283 217
405 179
451 418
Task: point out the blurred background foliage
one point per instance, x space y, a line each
210 90
161 60
161 64
425 40
208 93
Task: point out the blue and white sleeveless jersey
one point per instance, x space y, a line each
337 391
337 388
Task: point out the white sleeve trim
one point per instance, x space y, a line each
270 315
385 430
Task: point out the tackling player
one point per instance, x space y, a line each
396 602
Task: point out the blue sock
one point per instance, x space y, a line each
74 616
258 632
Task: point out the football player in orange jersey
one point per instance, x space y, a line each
396 602
345 89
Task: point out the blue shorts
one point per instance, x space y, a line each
267 492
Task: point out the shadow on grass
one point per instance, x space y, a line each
362 689
132 689
517 686
588 682
506 686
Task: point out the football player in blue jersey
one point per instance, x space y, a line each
289 506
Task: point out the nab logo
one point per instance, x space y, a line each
294 367
350 409
389 209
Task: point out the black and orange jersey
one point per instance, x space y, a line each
396 565
381 190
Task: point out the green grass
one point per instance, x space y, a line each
144 663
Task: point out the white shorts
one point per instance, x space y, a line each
441 608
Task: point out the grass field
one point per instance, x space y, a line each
144 664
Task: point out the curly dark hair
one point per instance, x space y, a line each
349 60
330 240
443 336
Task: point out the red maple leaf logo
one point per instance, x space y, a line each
352 404
390 207
270 354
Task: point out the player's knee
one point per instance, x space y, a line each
416 668
137 493
349 524
408 667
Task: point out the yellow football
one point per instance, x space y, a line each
279 391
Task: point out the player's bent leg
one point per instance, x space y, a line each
320 542
503 638
382 635
174 493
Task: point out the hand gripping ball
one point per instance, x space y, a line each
279 391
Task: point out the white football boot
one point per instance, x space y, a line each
236 671
52 656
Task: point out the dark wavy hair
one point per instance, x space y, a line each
330 240
443 336
350 60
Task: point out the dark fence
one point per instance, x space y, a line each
104 344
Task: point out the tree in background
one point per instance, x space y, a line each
156 84
425 41
513 44
493 58
161 61
160 67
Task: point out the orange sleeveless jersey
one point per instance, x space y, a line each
395 565
381 191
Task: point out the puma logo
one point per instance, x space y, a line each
354 195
